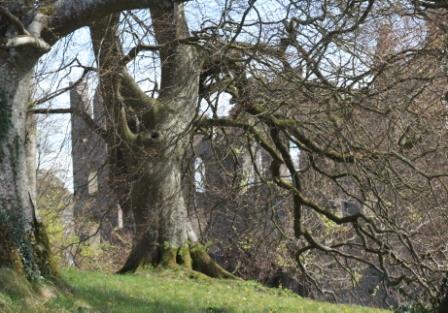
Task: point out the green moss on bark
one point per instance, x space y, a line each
202 262
42 252
169 256
14 154
24 252
185 257
47 9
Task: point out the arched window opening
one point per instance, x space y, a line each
294 151
199 175
120 220
93 182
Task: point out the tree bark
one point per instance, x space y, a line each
19 230
164 233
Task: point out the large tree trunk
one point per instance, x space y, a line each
164 233
160 214
21 236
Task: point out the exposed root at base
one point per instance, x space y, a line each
202 262
190 257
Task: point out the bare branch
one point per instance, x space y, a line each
70 15
136 50
28 41
14 20
51 111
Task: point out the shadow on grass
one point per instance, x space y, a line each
112 301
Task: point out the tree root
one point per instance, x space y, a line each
202 262
141 254
190 257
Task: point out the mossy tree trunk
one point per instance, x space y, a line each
164 234
151 156
20 232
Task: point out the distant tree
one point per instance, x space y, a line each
54 202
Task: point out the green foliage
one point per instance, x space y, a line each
52 201
42 250
172 292
50 208
16 292
185 257
5 304
99 256
52 204
169 255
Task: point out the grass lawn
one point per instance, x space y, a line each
158 292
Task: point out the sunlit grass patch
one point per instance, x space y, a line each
172 292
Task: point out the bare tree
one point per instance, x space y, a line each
369 116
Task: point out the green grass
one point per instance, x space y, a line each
165 292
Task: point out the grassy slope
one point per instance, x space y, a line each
163 292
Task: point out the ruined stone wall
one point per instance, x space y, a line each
234 210
95 205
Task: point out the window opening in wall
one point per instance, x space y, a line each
259 160
294 151
252 176
93 182
120 223
199 175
